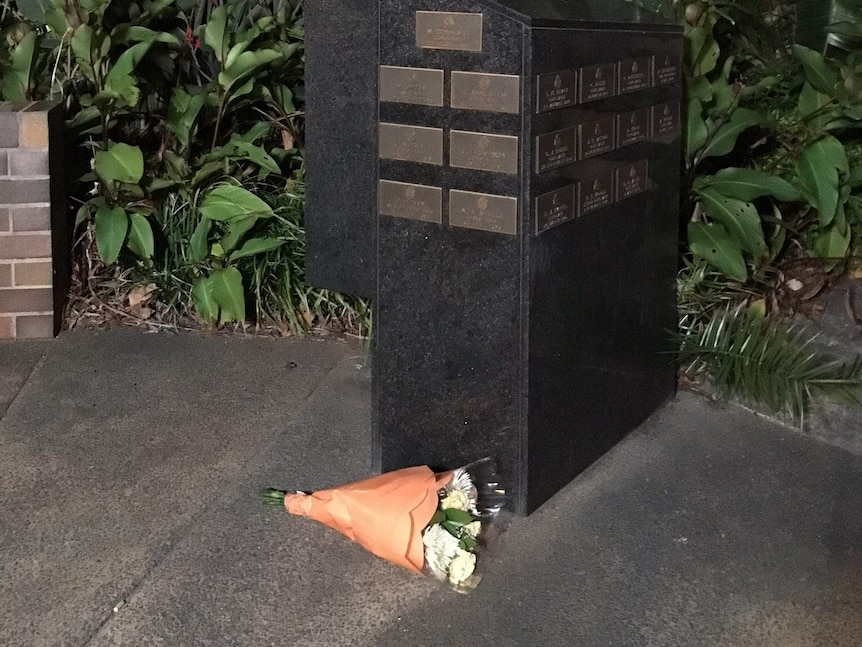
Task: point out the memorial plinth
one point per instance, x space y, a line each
521 221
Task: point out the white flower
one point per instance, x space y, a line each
462 482
455 499
473 529
440 549
462 567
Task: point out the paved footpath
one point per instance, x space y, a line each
130 465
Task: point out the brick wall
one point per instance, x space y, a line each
29 302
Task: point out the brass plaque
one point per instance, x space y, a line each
483 152
413 201
632 179
598 82
596 193
557 90
411 143
667 70
483 211
486 92
597 137
555 149
449 30
556 208
633 127
665 119
635 74
416 85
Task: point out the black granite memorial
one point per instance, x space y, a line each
502 178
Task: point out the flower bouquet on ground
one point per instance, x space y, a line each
420 520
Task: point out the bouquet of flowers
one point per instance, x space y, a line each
420 520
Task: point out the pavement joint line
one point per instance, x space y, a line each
36 367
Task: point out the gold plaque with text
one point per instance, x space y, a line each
412 201
496 213
483 152
416 85
411 143
486 92
449 30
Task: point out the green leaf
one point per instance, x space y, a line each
698 132
699 88
140 236
724 139
227 202
257 155
833 243
817 70
438 517
254 246
245 64
713 244
82 47
125 33
228 292
198 243
120 163
458 517
739 218
237 228
811 103
112 225
33 10
817 173
183 113
16 82
120 80
205 304
215 32
748 184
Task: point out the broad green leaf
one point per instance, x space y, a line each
33 10
739 218
257 155
458 517
833 243
16 81
708 58
724 95
748 184
811 106
817 70
698 132
713 244
724 139
82 47
198 243
695 39
216 34
205 304
112 225
120 80
699 88
120 163
229 294
245 64
258 130
227 202
438 517
140 236
237 228
255 246
125 33
817 173
183 113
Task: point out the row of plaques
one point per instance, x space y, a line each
487 92
500 153
499 214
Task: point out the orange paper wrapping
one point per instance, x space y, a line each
385 514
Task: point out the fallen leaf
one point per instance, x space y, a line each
287 139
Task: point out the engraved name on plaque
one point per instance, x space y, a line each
411 143
596 193
596 137
555 149
665 119
598 82
667 70
556 90
633 127
412 201
486 92
631 180
635 74
449 30
419 86
556 208
483 152
487 212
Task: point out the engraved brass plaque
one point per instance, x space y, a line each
667 70
413 201
556 90
665 119
633 127
411 143
416 85
449 30
597 137
556 208
556 149
483 152
596 193
598 82
635 74
483 211
632 179
486 92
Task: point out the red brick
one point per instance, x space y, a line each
5 220
7 327
25 246
26 300
30 218
35 327
23 191
30 274
5 275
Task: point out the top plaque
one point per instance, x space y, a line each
449 30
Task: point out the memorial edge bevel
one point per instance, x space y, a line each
432 26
